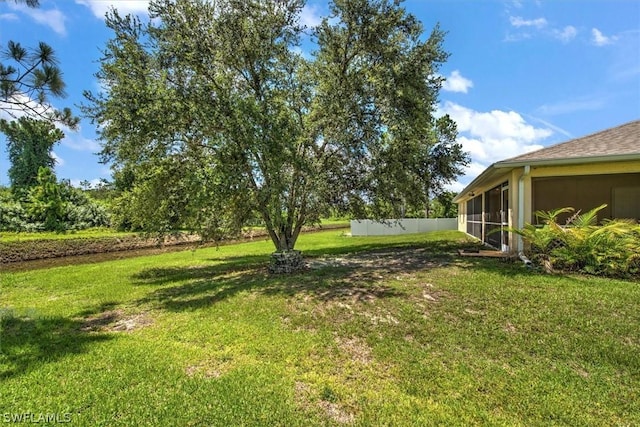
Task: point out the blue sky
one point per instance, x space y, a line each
523 74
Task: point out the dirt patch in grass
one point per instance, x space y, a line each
355 284
205 371
355 349
337 413
355 293
380 317
395 260
361 277
115 321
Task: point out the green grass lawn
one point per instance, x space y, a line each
382 331
92 233
97 233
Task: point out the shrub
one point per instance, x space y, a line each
610 249
13 216
45 202
82 211
50 206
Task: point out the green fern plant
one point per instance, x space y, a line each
610 249
544 240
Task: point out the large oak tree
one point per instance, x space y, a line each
217 115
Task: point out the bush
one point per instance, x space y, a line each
13 216
610 249
82 211
50 206
45 203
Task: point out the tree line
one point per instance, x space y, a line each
36 201
212 117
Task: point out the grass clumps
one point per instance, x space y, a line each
378 331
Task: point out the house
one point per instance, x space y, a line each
582 173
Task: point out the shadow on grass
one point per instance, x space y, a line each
436 248
354 272
206 286
223 266
28 341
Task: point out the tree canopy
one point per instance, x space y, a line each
30 143
30 3
28 77
215 115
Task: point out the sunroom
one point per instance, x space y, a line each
583 173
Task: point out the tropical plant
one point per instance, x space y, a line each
50 206
611 248
46 204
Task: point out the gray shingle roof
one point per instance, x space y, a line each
615 144
623 140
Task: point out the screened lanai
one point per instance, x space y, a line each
583 173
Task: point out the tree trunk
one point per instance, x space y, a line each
285 260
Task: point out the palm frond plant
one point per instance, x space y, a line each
611 248
579 248
544 240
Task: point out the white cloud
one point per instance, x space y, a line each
485 151
21 105
77 142
457 83
565 35
492 136
571 106
600 39
52 18
58 160
539 26
26 107
8 17
496 124
455 187
310 16
518 22
100 7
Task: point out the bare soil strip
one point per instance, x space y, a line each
38 254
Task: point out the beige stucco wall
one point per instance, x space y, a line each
586 169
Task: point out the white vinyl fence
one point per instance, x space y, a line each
390 227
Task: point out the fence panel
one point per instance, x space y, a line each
391 227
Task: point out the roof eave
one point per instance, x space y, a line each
484 176
568 160
488 172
